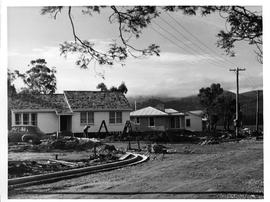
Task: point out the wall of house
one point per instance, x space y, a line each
77 127
195 122
47 122
181 123
160 124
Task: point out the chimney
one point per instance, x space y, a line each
161 107
135 105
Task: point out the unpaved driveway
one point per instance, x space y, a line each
223 167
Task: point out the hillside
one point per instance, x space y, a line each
247 104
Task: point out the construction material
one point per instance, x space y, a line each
103 124
66 163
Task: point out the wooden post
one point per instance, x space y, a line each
237 100
139 146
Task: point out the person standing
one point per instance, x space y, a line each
85 131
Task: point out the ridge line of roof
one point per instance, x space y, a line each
66 100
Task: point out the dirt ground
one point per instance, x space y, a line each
223 167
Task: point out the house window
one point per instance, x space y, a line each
87 117
151 121
115 117
177 122
137 120
118 117
187 122
90 116
18 119
25 119
34 119
172 122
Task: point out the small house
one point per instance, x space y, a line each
194 120
158 119
71 111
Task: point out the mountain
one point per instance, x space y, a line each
247 102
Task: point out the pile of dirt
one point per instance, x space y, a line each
99 153
108 152
158 149
27 168
73 144
65 143
104 154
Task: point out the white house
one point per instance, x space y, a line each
194 120
71 111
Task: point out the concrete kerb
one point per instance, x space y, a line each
137 158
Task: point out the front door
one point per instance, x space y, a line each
65 123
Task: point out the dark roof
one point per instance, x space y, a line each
39 102
97 100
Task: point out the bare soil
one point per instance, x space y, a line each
232 166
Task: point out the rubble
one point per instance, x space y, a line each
66 143
210 141
99 153
26 168
158 149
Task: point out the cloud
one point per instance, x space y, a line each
171 74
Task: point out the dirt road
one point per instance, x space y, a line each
223 167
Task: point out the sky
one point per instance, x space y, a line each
178 72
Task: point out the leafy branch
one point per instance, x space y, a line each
131 21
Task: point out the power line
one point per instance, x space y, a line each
188 47
195 37
207 47
164 36
190 40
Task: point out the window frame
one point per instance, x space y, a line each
92 116
23 119
87 119
33 121
175 122
137 120
149 122
188 123
115 117
20 118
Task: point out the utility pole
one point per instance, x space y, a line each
237 100
257 112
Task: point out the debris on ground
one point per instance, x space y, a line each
158 149
210 141
65 143
27 168
99 153
105 154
